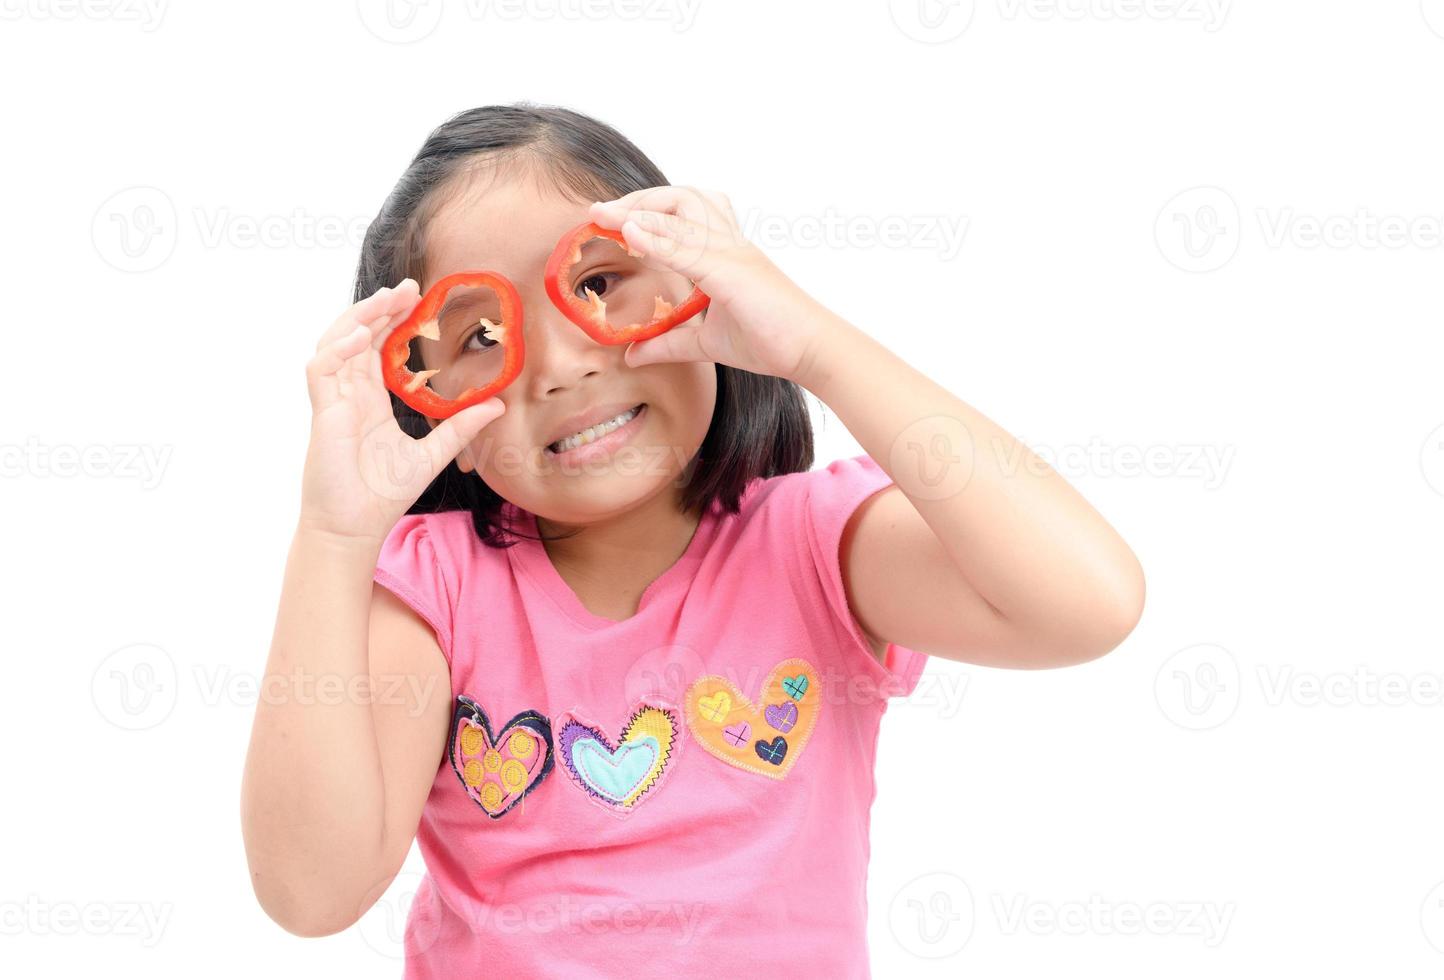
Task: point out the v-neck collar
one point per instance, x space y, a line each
530 557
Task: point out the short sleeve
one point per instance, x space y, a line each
410 567
832 495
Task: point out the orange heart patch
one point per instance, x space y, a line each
766 738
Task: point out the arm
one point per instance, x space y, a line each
334 786
980 552
989 557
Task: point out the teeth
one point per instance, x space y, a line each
594 433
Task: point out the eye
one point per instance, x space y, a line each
478 342
597 282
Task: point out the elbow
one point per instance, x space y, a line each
1119 614
1110 620
1110 634
309 904
307 894
306 919
308 929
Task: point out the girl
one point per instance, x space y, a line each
625 689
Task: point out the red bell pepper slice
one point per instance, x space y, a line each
591 314
411 387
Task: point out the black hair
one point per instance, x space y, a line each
760 426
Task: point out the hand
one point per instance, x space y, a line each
362 471
758 319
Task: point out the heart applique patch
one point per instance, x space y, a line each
499 768
620 777
765 739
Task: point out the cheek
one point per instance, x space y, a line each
692 397
502 451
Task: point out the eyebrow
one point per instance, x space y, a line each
456 300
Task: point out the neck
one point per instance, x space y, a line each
637 544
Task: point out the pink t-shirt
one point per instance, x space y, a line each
684 792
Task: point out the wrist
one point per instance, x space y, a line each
315 536
816 368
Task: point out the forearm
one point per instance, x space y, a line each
313 799
1021 535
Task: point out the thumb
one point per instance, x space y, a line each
451 436
682 343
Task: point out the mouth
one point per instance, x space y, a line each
604 435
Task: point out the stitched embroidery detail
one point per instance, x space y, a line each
621 777
499 769
766 740
774 751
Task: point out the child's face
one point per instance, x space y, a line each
511 226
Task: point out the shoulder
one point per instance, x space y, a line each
805 521
821 499
448 535
840 484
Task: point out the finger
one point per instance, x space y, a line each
368 366
360 311
653 237
679 228
451 436
721 202
382 326
667 198
384 300
321 371
681 343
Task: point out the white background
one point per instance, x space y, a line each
1244 379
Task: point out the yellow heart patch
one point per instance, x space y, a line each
764 738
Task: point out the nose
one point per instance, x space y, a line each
559 354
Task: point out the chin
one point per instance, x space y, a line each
602 490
